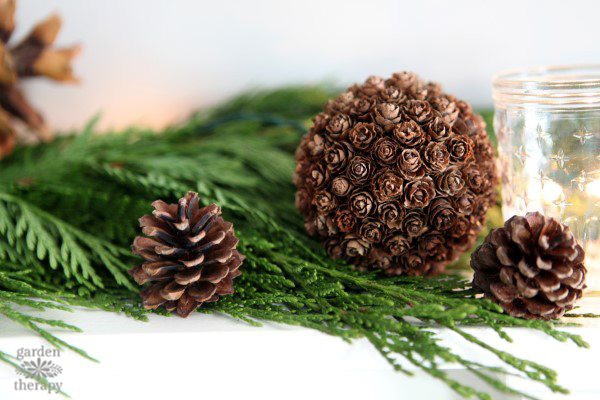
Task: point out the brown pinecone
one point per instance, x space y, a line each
533 267
189 255
33 56
396 175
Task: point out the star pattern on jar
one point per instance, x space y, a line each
581 181
583 135
522 155
560 158
543 178
561 203
542 136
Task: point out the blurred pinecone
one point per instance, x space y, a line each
31 57
189 256
532 267
396 175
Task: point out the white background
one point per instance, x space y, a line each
151 62
214 357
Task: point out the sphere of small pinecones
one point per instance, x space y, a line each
396 175
189 254
533 267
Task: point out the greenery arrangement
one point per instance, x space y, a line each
63 240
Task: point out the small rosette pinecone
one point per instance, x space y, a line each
189 254
396 175
533 267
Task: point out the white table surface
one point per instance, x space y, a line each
213 356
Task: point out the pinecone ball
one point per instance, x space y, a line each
396 175
189 254
533 267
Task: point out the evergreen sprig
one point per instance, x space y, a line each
69 210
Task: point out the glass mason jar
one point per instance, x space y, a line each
547 121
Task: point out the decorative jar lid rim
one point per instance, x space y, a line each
566 85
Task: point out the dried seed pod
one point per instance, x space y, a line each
336 156
340 186
386 151
419 193
441 214
451 181
391 214
410 164
189 253
387 185
33 56
436 157
387 115
409 133
363 134
359 170
372 230
446 106
338 126
419 111
345 220
533 267
460 149
361 108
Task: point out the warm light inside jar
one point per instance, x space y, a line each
548 125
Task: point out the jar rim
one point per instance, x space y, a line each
565 85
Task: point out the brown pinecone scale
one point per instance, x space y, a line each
397 175
189 254
533 267
33 56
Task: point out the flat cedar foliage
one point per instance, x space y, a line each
69 211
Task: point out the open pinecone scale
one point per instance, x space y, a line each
33 56
396 175
533 267
189 254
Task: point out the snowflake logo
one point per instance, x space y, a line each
37 369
